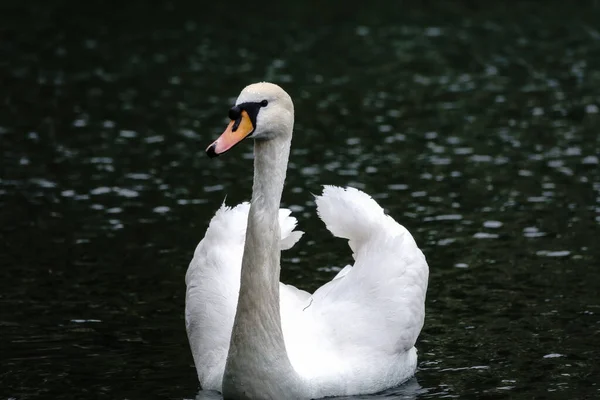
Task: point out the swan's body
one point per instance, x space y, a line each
354 335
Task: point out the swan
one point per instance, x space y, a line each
253 337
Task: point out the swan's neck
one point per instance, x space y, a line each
257 364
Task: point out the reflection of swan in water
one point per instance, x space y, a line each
409 390
354 335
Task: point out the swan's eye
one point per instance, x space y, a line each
264 103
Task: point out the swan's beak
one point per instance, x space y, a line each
236 131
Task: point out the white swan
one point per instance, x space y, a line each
354 335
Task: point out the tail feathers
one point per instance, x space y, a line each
349 213
229 223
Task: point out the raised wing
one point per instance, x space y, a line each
377 305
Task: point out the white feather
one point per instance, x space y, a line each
355 334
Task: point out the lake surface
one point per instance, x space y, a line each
476 127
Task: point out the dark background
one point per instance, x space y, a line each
474 124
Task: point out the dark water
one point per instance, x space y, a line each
475 126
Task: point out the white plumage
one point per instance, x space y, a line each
355 334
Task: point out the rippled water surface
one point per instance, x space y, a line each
475 127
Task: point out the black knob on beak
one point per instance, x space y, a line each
235 112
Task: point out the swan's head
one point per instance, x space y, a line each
262 111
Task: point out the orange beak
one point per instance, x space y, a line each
235 132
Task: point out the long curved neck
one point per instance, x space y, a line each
257 363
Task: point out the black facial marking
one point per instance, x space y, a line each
237 123
252 108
